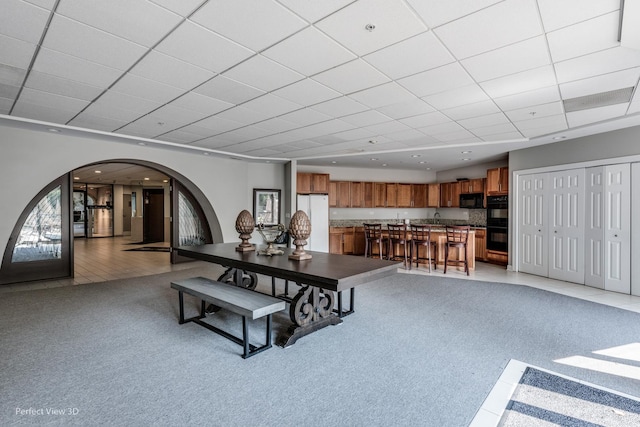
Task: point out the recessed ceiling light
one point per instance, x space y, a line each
466 152
369 27
268 161
141 143
373 159
559 137
428 169
54 130
465 159
334 162
415 155
384 164
76 177
165 180
373 141
146 179
98 171
422 162
205 153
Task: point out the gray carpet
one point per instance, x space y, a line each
419 351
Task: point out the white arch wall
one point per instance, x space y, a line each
30 159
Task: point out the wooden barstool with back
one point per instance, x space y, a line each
398 238
373 236
421 236
457 237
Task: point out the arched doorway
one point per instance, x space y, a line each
188 215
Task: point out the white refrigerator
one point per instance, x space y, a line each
316 206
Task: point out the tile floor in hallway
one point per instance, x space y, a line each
102 259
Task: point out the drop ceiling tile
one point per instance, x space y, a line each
191 42
9 91
526 99
606 61
22 20
243 115
498 129
107 111
424 120
471 110
294 52
420 53
594 115
179 137
228 90
212 143
354 134
366 118
442 128
496 26
483 121
460 137
586 37
114 100
140 21
508 136
405 135
325 128
603 83
558 122
385 94
218 124
522 56
276 125
263 23
307 92
456 97
150 126
437 80
16 53
313 10
12 76
244 134
85 42
181 7
201 103
634 107
544 110
202 132
61 86
171 113
410 108
438 12
89 121
263 73
351 77
387 127
141 87
521 82
394 22
265 152
557 14
52 100
271 105
45 4
42 113
305 117
72 68
342 106
165 69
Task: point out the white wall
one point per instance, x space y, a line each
31 159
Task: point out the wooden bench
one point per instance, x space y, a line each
244 302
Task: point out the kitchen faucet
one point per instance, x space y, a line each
436 218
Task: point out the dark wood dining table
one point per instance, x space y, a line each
319 278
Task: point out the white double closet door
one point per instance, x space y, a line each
574 226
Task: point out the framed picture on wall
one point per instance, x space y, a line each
266 206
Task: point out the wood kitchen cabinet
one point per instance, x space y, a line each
341 240
392 194
404 197
312 183
343 194
472 186
481 244
358 241
497 181
368 195
419 194
333 194
411 195
450 194
433 195
356 198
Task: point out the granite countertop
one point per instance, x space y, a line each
384 222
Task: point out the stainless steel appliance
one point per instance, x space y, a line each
498 223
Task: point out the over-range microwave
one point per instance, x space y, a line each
472 201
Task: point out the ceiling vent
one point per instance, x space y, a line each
618 96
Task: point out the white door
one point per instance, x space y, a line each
566 250
617 232
635 228
594 227
533 229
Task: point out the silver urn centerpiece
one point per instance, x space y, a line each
300 229
270 235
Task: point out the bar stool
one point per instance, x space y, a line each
457 237
421 236
398 237
373 235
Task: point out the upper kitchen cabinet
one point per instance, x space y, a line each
385 195
497 181
450 194
433 195
312 183
470 186
411 195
